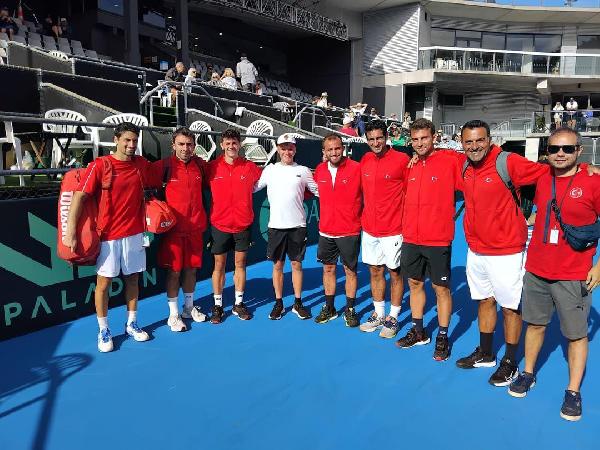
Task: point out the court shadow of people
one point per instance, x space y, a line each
29 370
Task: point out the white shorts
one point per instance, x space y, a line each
498 276
127 255
379 251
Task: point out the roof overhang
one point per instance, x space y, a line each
483 11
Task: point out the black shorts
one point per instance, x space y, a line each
222 242
421 261
290 241
346 248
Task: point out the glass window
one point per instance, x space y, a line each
468 34
548 43
442 37
588 42
519 42
493 41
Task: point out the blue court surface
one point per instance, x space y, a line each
285 384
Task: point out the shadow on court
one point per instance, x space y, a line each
35 366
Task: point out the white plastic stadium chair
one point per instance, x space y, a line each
10 138
58 130
255 147
58 54
116 119
203 141
349 140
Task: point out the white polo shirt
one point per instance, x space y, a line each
285 190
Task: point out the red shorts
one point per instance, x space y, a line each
180 251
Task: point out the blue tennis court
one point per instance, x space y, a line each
287 384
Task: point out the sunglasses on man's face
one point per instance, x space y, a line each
568 149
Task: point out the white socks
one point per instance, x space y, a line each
394 311
380 309
131 316
173 307
102 322
188 300
218 299
239 297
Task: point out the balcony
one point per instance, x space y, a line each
582 120
506 61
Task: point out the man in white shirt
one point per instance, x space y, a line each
247 74
572 107
286 183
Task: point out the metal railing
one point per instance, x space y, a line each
583 120
9 117
285 12
507 61
313 109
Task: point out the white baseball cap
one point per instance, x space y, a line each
324 94
347 119
286 139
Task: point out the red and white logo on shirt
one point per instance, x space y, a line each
576 192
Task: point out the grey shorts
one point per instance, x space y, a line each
570 298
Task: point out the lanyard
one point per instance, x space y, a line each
553 206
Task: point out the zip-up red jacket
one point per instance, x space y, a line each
231 186
383 185
340 203
183 193
493 224
429 204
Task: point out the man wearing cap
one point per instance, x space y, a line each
340 205
348 129
232 181
286 182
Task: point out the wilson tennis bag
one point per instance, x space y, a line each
88 240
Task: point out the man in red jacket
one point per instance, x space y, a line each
231 179
383 179
559 277
496 233
340 205
428 231
180 250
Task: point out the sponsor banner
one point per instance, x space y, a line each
39 289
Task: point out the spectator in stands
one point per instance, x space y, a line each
65 28
558 115
52 27
209 72
228 78
572 107
322 102
7 24
374 114
457 142
247 74
398 139
406 121
348 128
190 78
258 89
358 110
176 74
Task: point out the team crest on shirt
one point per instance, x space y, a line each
387 177
434 179
488 180
576 192
242 177
344 181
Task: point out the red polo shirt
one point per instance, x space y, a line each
340 203
384 184
231 186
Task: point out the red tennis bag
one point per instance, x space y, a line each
88 240
159 217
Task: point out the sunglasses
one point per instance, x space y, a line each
568 149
